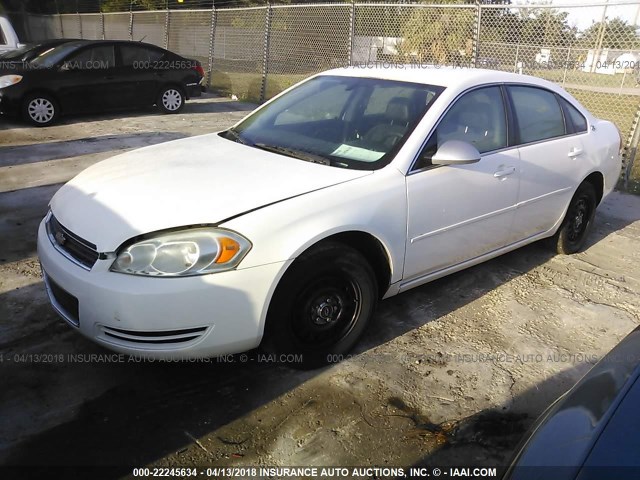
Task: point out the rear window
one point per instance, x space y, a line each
139 57
538 114
577 119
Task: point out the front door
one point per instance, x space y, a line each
457 213
87 80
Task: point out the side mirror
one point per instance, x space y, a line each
455 152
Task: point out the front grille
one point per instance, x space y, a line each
154 336
71 245
63 301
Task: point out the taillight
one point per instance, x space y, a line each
199 69
622 145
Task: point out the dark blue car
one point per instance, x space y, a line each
593 431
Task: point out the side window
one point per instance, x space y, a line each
538 114
3 41
577 119
139 57
93 58
477 117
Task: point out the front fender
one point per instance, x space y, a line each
374 204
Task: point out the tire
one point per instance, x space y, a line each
40 109
577 223
321 306
171 99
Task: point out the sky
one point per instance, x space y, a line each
583 16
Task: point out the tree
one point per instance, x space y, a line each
545 27
615 33
440 36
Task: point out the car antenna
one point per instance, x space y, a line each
142 38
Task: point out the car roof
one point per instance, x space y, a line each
125 42
57 40
458 77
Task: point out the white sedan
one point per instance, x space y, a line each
352 186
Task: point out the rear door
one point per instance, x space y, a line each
139 70
551 148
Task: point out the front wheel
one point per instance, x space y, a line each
577 223
170 100
40 110
321 306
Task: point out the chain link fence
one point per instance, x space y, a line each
597 59
253 53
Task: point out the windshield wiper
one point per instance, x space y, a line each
235 136
292 152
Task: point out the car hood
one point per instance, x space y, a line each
192 181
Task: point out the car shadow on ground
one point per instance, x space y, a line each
47 151
208 103
150 410
219 106
21 212
489 438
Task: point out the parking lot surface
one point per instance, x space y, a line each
452 372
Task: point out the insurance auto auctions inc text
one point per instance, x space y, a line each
351 472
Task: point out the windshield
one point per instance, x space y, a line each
51 57
347 122
15 54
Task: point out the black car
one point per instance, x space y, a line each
593 431
28 52
98 75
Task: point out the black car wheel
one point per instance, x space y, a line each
321 306
40 109
577 223
170 100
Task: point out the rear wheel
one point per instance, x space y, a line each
170 100
577 223
321 306
40 110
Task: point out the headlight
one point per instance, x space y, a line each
8 80
197 251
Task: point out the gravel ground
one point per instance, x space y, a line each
452 372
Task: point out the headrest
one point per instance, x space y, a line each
398 109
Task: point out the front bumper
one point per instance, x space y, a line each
160 318
9 104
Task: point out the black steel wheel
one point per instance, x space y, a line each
321 306
577 223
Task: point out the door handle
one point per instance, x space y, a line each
574 152
504 172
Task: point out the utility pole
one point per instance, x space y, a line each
600 38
